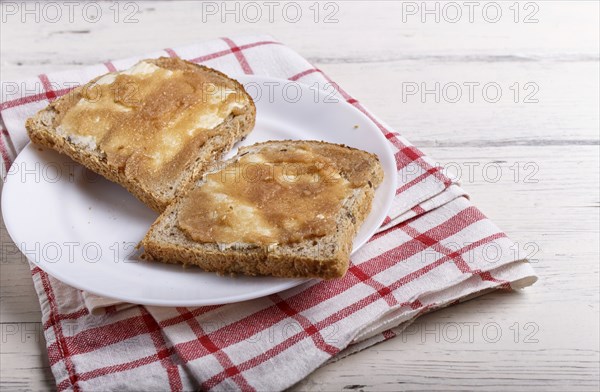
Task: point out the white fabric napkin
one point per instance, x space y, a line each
432 251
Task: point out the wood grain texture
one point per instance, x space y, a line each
549 333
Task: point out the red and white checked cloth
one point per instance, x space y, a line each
433 251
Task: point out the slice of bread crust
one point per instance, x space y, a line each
42 130
326 257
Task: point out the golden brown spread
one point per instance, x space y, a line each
276 196
150 119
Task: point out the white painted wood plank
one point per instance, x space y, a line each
565 111
365 32
24 360
456 349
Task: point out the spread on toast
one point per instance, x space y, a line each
149 119
275 196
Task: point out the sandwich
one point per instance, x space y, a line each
279 208
153 128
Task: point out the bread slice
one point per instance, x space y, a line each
153 128
249 208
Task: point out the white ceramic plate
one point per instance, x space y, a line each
83 229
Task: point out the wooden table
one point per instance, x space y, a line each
529 161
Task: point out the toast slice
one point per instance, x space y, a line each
153 128
280 208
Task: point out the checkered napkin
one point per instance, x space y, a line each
433 250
